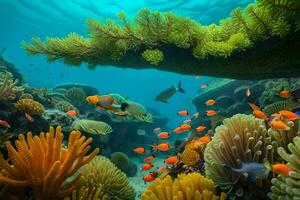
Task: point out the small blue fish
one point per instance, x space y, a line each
252 169
297 113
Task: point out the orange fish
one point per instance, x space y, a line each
185 127
279 125
253 106
161 147
163 135
284 93
72 113
106 102
28 117
178 130
183 113
260 114
149 158
150 177
281 169
288 115
204 139
4 123
146 166
210 102
163 168
172 160
276 115
200 128
139 150
211 113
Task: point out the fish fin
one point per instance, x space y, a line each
179 88
253 106
124 106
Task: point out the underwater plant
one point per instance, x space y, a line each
287 186
92 126
30 107
109 181
154 57
8 87
43 164
241 139
191 186
76 96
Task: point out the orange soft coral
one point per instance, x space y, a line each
42 163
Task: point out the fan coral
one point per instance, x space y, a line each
42 163
30 106
154 57
190 157
64 106
8 86
280 105
192 186
287 187
76 96
241 138
111 183
121 160
138 112
92 126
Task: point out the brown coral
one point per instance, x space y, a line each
190 157
42 163
30 106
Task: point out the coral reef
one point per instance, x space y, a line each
109 181
42 163
281 105
287 186
8 86
189 42
190 157
242 138
30 107
121 160
76 96
191 186
92 126
64 106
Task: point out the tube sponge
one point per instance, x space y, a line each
288 187
192 186
104 175
241 138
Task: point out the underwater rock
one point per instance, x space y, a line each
56 117
240 93
89 90
224 101
238 108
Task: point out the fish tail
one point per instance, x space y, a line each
124 106
179 88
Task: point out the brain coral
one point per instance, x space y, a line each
288 187
30 106
92 126
242 137
192 186
111 182
64 106
190 157
121 160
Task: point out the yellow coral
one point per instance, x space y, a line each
42 163
30 106
192 186
111 183
190 157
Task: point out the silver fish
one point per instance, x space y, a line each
165 95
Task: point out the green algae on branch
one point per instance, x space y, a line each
153 37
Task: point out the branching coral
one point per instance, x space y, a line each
192 186
8 86
42 163
241 138
287 187
110 41
110 182
30 106
76 96
92 126
154 57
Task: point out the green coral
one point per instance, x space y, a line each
109 41
154 57
76 96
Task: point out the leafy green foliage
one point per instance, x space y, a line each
109 41
154 57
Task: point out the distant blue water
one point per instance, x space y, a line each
22 19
